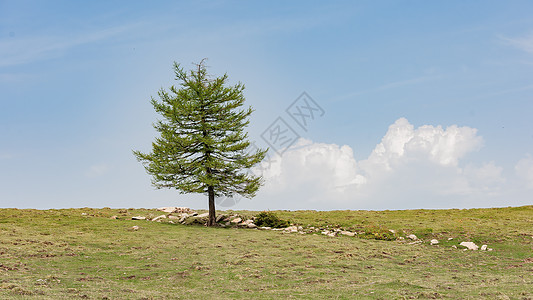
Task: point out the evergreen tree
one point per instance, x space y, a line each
202 143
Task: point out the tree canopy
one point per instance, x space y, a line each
202 147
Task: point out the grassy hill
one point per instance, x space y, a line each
83 253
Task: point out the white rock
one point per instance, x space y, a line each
434 242
469 245
348 233
483 247
252 225
138 218
292 229
174 209
174 217
203 215
413 237
332 234
392 230
236 220
490 249
265 228
248 222
160 217
135 227
449 239
453 246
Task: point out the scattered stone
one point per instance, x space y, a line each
83 214
203 215
453 246
174 217
401 238
138 218
449 239
247 222
413 237
490 249
252 225
114 217
174 209
159 218
135 228
469 245
348 233
221 218
236 220
291 229
265 228
434 242
392 230
483 247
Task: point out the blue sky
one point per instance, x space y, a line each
76 79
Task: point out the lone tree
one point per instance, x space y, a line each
202 143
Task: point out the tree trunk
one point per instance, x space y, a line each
212 212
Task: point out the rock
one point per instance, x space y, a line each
114 217
449 239
135 228
194 220
490 249
332 234
265 228
159 218
252 225
291 229
236 220
174 209
203 215
413 237
453 246
221 218
483 247
300 228
348 233
248 222
138 218
469 245
392 230
174 217
434 242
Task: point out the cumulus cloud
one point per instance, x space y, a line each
410 168
524 170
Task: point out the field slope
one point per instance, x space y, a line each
83 253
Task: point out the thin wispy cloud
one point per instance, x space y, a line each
15 51
392 85
524 43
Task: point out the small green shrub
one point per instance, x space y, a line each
269 219
378 233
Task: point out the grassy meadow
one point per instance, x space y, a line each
84 253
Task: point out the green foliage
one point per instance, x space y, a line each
270 219
377 233
202 143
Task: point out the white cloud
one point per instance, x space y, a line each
20 51
409 168
97 170
524 170
524 43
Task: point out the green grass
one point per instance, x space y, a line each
82 253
